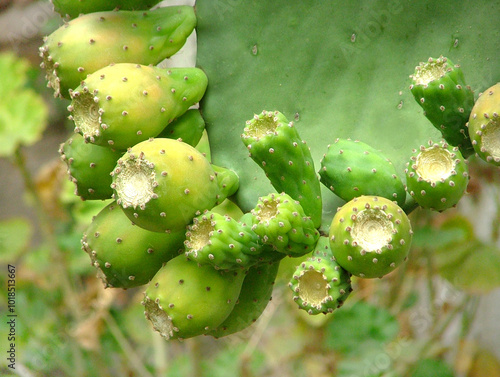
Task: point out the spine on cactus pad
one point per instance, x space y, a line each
74 8
370 236
184 299
320 284
124 254
437 176
95 40
188 128
352 168
275 145
123 104
439 88
484 125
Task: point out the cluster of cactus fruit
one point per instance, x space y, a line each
208 272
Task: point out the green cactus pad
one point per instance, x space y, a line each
93 41
185 300
89 167
353 168
162 184
275 145
437 176
222 242
320 284
188 128
254 297
280 221
73 8
124 254
484 125
439 88
370 236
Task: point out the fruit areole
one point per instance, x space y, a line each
337 69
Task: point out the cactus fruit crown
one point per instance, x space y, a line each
199 236
86 113
262 126
490 137
431 70
434 164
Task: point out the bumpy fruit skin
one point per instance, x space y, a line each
439 88
124 254
320 284
95 40
254 297
89 167
188 128
73 8
352 168
437 176
281 222
222 242
484 125
123 104
184 299
162 184
275 145
370 236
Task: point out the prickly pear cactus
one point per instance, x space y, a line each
73 8
188 128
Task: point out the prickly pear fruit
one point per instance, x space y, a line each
89 167
370 236
124 254
274 144
123 104
161 184
254 297
188 128
437 176
185 300
281 222
73 8
228 182
320 284
352 168
439 88
95 40
484 125
222 242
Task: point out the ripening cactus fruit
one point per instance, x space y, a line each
89 167
184 299
439 88
73 8
124 254
370 236
256 293
280 221
320 284
437 176
95 40
275 145
123 104
188 128
162 184
222 242
352 168
484 125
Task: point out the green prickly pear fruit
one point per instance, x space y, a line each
370 236
275 145
353 168
123 104
437 176
484 125
439 88
73 8
228 182
254 297
184 299
188 128
320 284
89 167
124 254
161 184
280 221
221 242
95 40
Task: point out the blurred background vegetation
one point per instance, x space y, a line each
435 316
